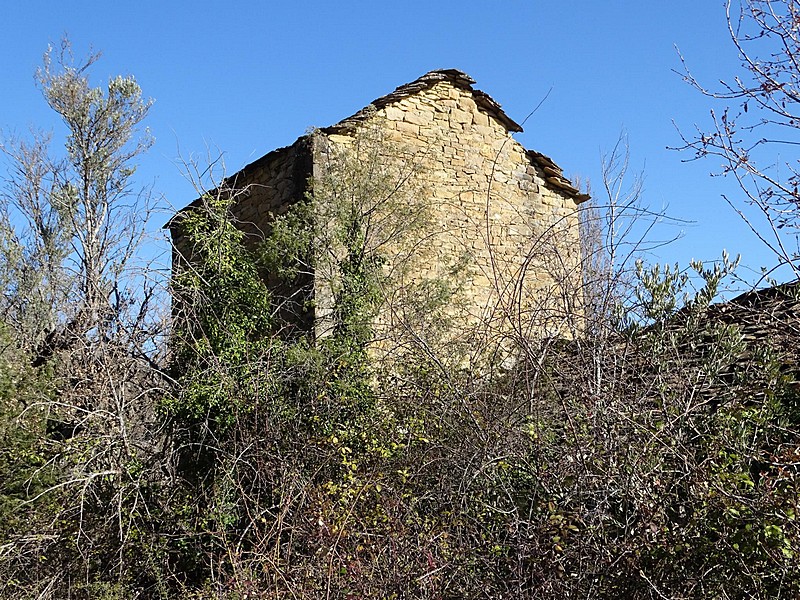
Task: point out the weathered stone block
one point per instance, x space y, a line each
408 128
394 113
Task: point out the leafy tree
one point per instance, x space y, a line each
223 312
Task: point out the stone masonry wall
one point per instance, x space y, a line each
271 185
494 221
491 209
262 190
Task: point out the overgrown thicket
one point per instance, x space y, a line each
654 459
654 454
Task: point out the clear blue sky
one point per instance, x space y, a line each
247 77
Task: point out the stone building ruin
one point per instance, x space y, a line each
497 221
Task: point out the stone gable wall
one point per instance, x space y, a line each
485 216
489 208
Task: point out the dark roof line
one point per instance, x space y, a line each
554 176
230 180
454 76
787 294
